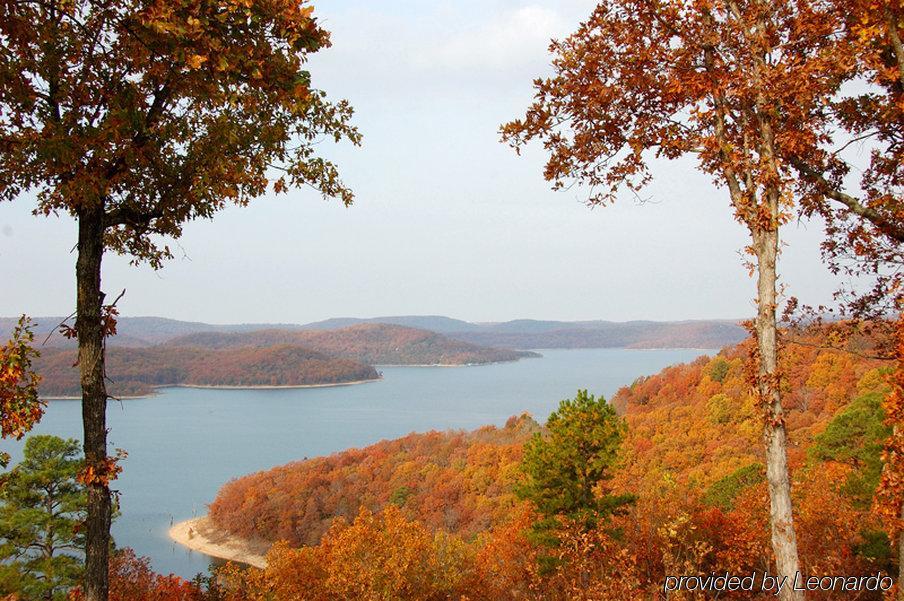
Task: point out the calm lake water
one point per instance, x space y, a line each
184 444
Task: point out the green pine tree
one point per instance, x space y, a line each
42 505
565 469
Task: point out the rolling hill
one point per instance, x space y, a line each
274 357
534 334
136 331
376 344
137 371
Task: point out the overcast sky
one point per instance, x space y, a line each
447 220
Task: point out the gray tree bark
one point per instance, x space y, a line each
784 539
89 328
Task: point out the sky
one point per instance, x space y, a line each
447 220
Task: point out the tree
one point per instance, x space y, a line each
43 506
135 116
565 469
854 437
865 225
735 84
20 407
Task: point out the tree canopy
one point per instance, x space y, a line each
158 112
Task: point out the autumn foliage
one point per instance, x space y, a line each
690 459
132 579
435 516
136 371
697 422
20 407
458 482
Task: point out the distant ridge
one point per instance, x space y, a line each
527 334
515 334
140 331
434 323
372 343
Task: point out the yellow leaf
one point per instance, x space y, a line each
196 60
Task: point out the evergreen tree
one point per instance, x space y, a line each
566 468
42 505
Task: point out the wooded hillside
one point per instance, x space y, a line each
136 371
267 358
690 460
453 481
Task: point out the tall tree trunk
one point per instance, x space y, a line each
94 397
784 539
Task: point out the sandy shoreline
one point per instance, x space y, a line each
199 534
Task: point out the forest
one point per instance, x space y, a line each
678 487
266 358
453 481
137 371
689 460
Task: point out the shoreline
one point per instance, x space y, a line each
78 398
500 362
200 535
273 386
221 387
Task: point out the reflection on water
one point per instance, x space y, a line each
184 444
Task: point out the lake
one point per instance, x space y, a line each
185 443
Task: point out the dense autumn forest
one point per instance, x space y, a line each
690 459
134 372
454 481
266 358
